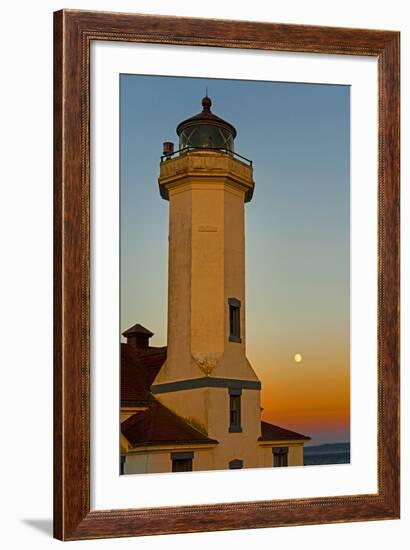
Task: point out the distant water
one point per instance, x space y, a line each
330 453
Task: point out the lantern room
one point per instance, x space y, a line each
206 131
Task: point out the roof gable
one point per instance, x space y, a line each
270 432
159 426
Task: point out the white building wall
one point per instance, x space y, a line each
217 458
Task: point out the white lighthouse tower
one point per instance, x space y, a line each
207 377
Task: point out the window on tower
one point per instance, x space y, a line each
234 320
235 410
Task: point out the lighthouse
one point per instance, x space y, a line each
207 376
195 404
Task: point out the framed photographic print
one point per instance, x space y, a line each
226 346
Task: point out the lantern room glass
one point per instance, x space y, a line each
206 136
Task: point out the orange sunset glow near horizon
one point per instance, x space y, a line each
311 395
314 405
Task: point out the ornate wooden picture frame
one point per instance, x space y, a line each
74 32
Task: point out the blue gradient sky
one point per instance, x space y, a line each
297 232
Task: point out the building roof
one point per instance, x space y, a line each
270 432
134 381
160 426
151 360
138 329
139 367
206 116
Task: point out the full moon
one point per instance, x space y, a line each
297 357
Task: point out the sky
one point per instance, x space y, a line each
297 233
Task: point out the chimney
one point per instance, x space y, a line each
167 148
138 336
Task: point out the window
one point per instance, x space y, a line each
235 410
182 465
182 462
206 136
280 456
234 320
236 464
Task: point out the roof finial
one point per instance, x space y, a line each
206 101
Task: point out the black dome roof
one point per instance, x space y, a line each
206 116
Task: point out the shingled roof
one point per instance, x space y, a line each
138 370
134 382
160 426
151 360
270 432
